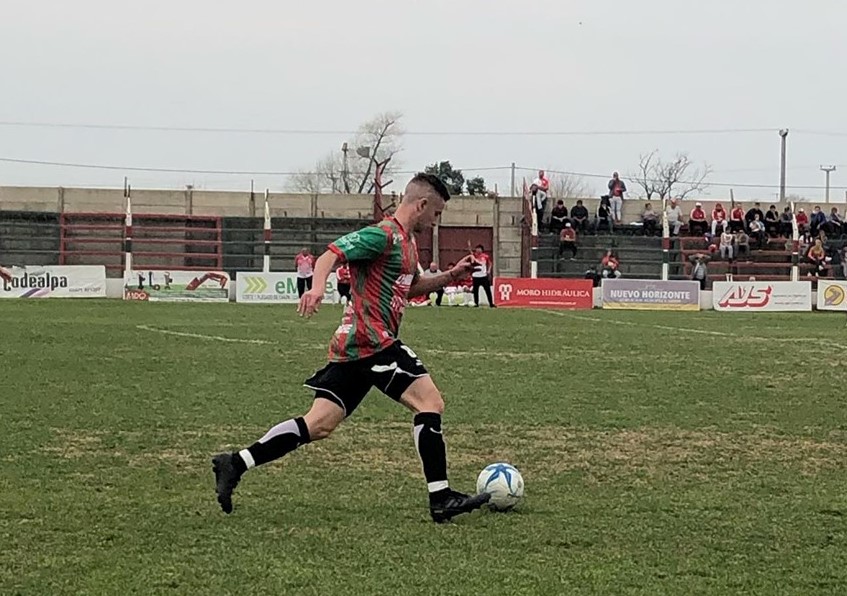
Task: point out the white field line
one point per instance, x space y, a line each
232 340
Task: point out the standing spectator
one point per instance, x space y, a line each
616 190
772 221
726 246
700 268
802 221
305 264
697 225
844 261
558 217
817 257
742 243
818 219
610 265
757 231
649 220
567 241
481 274
434 271
579 217
542 189
342 277
736 218
835 223
805 242
604 215
786 223
718 219
674 215
755 210
539 203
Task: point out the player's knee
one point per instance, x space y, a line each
430 401
322 419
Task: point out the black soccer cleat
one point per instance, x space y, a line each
456 503
226 479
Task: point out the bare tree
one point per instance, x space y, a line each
567 186
677 178
375 141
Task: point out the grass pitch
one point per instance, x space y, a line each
663 454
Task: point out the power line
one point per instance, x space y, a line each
296 131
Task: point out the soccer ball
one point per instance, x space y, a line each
504 483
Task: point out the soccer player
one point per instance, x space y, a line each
365 352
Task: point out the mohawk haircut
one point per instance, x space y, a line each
433 182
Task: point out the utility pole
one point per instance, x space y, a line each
513 181
828 170
783 133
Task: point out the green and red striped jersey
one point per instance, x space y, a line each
383 262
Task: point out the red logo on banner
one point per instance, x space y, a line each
741 297
544 292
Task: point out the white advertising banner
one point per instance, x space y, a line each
53 281
177 286
762 296
275 288
832 295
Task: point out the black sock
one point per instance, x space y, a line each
433 453
281 439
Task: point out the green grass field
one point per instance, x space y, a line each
663 454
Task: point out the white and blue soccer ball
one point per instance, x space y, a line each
504 483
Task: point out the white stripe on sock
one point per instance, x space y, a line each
289 426
248 458
436 486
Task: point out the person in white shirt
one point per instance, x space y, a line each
674 214
480 276
434 271
727 239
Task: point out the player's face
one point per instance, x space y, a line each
428 212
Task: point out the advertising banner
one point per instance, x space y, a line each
645 294
762 296
53 281
177 286
543 292
832 295
275 288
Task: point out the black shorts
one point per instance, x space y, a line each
391 371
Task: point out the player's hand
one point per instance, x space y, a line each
310 302
463 267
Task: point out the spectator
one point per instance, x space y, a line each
757 231
818 219
616 190
604 215
434 271
579 217
844 261
835 223
718 218
786 223
742 243
610 265
736 218
805 242
567 241
700 268
802 221
539 203
772 221
481 274
726 246
342 277
817 257
649 220
542 190
752 213
558 217
674 215
304 262
697 225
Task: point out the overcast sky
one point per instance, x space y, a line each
447 65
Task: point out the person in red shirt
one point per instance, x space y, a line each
567 241
802 220
342 276
697 220
304 262
718 218
481 275
610 264
736 218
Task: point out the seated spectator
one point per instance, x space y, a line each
742 243
697 225
757 231
786 223
835 223
755 210
718 218
736 218
805 242
772 221
817 257
726 246
604 215
433 271
674 215
700 269
818 220
650 220
567 241
609 266
579 217
802 220
558 217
